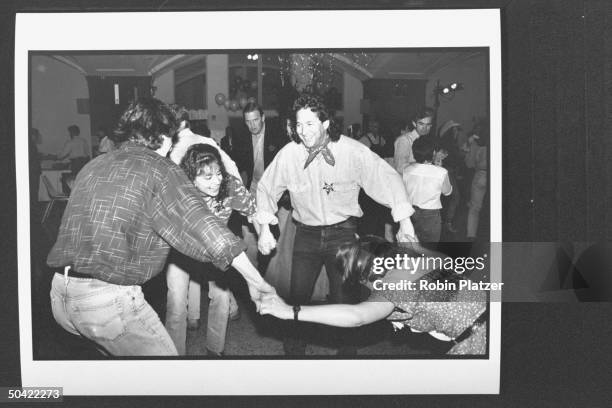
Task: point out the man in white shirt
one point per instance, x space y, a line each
421 123
323 172
425 182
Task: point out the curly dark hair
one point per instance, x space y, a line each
316 105
144 122
203 155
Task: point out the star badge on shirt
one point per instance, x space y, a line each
328 187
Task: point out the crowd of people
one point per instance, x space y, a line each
278 203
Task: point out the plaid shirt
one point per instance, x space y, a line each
126 209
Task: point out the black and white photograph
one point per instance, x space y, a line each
318 204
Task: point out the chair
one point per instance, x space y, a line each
54 195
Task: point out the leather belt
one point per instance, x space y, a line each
70 272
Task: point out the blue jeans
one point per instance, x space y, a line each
116 317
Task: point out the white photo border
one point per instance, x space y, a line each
335 29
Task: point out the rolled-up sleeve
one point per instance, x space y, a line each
182 219
382 183
270 189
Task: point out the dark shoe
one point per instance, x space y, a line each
193 324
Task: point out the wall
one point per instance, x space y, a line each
54 89
165 86
471 101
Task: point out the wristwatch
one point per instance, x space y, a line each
296 311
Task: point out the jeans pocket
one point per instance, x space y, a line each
101 321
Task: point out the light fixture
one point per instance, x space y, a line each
449 89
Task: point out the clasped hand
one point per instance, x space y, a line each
266 242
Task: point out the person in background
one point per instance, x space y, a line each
324 172
422 122
425 182
256 147
373 139
222 193
354 131
76 149
105 143
476 159
129 207
457 315
454 164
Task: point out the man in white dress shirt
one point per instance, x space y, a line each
421 123
323 172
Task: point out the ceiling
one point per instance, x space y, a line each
411 64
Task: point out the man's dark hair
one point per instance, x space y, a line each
424 112
74 130
423 149
144 122
252 107
314 103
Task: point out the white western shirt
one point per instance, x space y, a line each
322 194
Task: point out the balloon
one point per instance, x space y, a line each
219 98
226 103
234 105
243 102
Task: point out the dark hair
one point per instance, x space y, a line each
424 112
252 107
355 260
314 103
203 155
103 129
200 128
74 130
144 122
423 149
353 130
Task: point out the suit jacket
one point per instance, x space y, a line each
274 139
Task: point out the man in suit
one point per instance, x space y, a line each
253 152
256 149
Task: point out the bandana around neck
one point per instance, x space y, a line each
324 150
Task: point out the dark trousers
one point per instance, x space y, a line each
427 226
314 247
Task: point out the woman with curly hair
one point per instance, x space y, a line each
222 193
